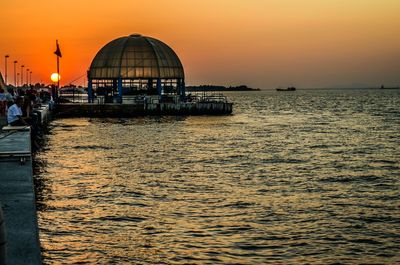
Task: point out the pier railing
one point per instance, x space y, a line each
206 96
193 97
72 97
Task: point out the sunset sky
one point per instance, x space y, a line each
261 43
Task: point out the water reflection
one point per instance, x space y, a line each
310 177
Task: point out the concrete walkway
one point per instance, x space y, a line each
17 198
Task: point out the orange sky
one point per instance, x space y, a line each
261 43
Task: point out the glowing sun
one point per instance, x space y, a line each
55 77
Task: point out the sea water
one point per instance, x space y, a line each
311 176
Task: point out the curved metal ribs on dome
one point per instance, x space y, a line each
135 64
136 56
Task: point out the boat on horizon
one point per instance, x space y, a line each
291 88
383 87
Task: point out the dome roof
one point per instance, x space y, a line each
134 57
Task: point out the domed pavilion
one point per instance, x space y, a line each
135 65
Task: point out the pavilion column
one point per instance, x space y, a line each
159 88
180 88
119 90
183 90
90 90
149 85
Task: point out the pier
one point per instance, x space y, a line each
148 105
17 197
19 234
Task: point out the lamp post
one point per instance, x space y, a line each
5 67
27 77
30 77
22 75
17 78
15 73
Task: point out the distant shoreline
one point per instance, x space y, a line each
201 88
220 88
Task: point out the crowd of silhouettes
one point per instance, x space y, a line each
18 106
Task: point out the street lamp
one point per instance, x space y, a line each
22 75
17 78
27 77
30 77
15 73
5 66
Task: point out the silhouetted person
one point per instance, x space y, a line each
14 115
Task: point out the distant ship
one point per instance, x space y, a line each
291 88
383 87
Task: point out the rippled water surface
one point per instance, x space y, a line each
289 178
